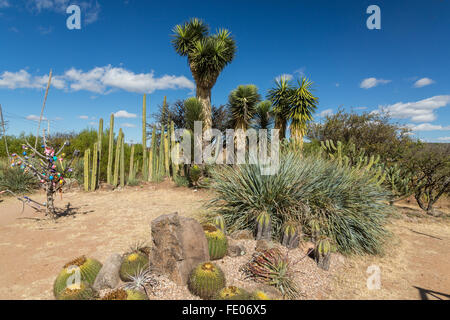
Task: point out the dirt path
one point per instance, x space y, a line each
33 250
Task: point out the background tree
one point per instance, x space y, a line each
263 115
280 98
207 54
242 102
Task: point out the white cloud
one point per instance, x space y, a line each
128 125
83 117
372 82
444 138
285 76
100 80
325 113
428 127
124 114
423 82
4 4
419 111
34 117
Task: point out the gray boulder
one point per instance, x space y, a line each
108 276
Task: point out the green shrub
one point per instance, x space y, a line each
17 181
351 208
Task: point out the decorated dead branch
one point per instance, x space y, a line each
49 167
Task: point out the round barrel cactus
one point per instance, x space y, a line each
233 293
132 263
217 242
122 294
79 269
82 291
260 295
206 280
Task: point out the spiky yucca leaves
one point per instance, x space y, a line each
124 294
206 280
86 268
131 263
291 235
273 268
322 253
219 222
141 280
263 226
242 102
262 118
217 242
233 293
352 207
83 291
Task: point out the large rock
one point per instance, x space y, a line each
179 245
235 249
108 276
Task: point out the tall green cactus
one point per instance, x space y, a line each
153 157
109 177
122 160
94 168
131 174
87 155
161 164
117 160
144 138
172 148
100 138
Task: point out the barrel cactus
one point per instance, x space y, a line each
131 264
291 235
263 226
322 253
260 295
79 269
219 222
206 280
217 242
82 291
233 293
123 294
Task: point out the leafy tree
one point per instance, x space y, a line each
207 55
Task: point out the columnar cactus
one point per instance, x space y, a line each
263 226
161 164
109 176
117 160
217 242
153 157
87 155
94 168
144 138
206 280
100 138
122 161
131 173
322 253
291 235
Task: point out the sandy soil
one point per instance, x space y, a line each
33 249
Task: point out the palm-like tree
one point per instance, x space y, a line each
193 111
303 105
242 102
263 115
280 96
207 54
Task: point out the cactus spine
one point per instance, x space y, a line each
122 161
144 138
131 174
263 226
109 176
94 167
217 242
206 280
87 155
117 160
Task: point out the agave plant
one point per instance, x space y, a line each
141 280
351 207
207 55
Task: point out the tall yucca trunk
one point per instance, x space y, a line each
204 96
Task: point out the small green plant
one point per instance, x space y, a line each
17 181
181 181
217 242
86 268
206 280
273 268
233 293
195 174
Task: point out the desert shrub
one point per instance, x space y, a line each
18 181
351 208
181 181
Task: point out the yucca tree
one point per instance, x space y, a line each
303 105
193 111
280 96
207 54
242 102
263 117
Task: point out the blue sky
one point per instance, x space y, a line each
124 50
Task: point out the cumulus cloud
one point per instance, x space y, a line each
124 114
326 112
445 139
100 80
428 127
423 82
128 125
84 117
34 117
372 82
419 111
4 4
